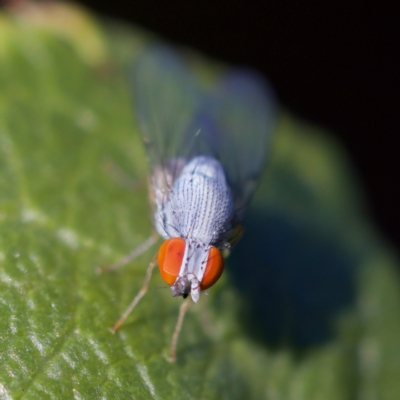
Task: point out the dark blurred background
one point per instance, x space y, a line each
334 63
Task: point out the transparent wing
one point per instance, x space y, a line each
243 109
166 99
178 120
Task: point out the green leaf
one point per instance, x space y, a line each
308 306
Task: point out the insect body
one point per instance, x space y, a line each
207 147
198 209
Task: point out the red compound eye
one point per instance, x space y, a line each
214 268
170 258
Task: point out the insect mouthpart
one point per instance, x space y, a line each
185 286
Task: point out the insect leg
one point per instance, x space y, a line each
137 298
182 311
136 252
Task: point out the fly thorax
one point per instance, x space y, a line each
200 204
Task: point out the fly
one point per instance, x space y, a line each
206 147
